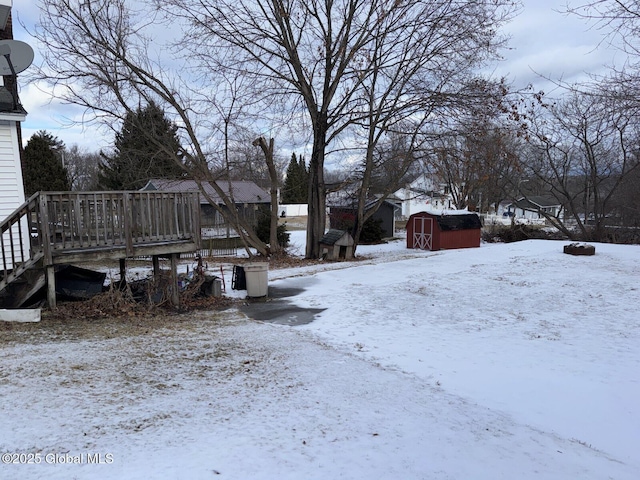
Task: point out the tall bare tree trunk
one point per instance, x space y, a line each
267 149
316 215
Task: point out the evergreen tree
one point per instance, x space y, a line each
288 189
295 185
303 184
147 147
42 168
263 229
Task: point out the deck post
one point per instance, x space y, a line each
175 297
51 286
44 232
123 271
128 222
156 265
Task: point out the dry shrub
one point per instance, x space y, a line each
516 233
112 303
121 303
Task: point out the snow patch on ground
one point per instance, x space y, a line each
504 361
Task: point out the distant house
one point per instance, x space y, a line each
424 193
247 197
531 208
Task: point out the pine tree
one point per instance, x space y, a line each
288 193
303 182
42 168
147 147
295 185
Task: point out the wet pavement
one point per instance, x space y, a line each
275 308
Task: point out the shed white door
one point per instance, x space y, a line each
422 232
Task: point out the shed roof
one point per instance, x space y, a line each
454 221
332 236
469 221
241 191
537 202
335 200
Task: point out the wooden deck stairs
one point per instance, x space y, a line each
57 228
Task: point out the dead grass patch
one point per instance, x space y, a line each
115 303
92 320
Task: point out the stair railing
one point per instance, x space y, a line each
20 240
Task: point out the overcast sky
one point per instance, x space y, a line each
543 42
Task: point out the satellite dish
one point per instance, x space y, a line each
20 54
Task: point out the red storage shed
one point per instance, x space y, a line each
430 231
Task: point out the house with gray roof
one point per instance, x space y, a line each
246 195
532 208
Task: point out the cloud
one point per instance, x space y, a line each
567 63
543 42
547 43
67 122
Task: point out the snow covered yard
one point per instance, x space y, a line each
508 361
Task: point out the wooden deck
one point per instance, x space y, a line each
54 228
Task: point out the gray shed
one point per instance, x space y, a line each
336 245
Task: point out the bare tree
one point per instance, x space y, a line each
584 149
473 150
342 65
477 163
101 55
627 204
248 163
619 23
83 168
267 150
618 20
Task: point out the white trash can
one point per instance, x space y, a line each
257 279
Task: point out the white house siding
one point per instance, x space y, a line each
414 202
11 187
424 194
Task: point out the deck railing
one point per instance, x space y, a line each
94 220
50 224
